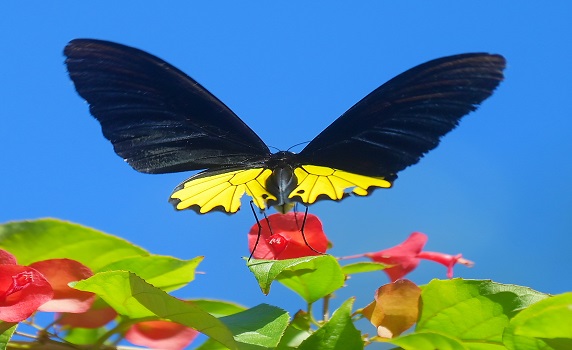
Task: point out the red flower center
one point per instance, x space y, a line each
277 242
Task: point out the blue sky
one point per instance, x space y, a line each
497 189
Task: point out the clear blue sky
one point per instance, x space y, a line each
497 189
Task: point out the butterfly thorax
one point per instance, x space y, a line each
282 181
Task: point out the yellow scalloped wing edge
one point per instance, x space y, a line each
224 190
315 181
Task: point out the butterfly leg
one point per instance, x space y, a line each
304 236
259 230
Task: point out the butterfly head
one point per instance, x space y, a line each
284 208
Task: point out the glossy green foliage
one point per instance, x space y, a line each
338 333
467 314
454 314
311 277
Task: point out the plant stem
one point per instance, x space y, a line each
326 307
351 256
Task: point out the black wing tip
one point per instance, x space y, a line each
485 56
484 60
82 43
79 44
81 48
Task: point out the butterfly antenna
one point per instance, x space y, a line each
298 144
302 232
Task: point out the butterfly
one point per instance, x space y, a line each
162 121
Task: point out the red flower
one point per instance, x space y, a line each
161 335
60 272
285 241
406 256
22 289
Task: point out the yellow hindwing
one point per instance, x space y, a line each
315 181
224 190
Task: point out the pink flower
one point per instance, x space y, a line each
161 335
22 289
280 237
405 257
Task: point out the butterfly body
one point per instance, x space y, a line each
282 181
161 121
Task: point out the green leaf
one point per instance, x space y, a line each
428 341
297 331
218 308
84 336
7 329
132 297
311 277
163 272
472 310
361 267
260 327
339 333
549 318
210 344
36 240
546 324
254 329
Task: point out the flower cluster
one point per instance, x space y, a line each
41 286
44 285
280 237
396 305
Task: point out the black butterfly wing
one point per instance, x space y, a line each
396 124
157 118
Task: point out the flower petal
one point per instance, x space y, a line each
287 226
22 290
161 335
403 256
6 258
59 273
446 259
